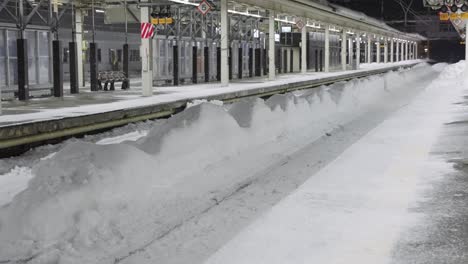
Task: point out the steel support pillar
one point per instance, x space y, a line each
146 55
397 57
79 47
271 47
406 51
206 58
386 51
218 64
57 68
251 62
175 64
377 45
304 49
93 66
126 84
358 51
73 62
369 49
343 50
194 64
230 62
224 43
466 48
23 70
327 48
258 62
240 63
392 50
350 50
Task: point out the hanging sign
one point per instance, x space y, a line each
300 24
204 7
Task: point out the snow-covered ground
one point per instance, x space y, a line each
94 203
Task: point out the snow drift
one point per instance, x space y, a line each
98 204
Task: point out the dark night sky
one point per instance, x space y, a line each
441 50
392 10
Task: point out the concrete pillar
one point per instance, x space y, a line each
358 51
271 44
416 50
224 44
377 45
369 49
392 51
327 48
402 51
146 56
304 49
79 46
350 50
398 51
343 50
406 50
386 51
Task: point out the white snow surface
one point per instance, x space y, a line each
354 210
92 203
173 94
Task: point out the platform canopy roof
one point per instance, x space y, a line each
320 11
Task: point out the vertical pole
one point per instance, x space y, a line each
358 50
378 51
58 71
304 48
79 46
240 61
126 84
258 62
218 63
350 50
22 54
251 61
406 51
369 49
416 50
224 44
343 50
92 55
207 63
23 78
392 51
327 48
146 55
397 51
386 51
230 62
194 64
74 88
175 64
271 46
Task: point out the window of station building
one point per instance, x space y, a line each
99 55
134 55
119 55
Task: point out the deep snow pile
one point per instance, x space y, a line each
91 203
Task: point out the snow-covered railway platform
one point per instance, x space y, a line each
25 124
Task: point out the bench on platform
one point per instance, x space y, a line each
110 77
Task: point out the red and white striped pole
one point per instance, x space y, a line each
146 50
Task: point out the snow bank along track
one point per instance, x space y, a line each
18 138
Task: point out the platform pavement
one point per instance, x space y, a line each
42 119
